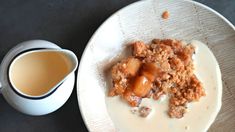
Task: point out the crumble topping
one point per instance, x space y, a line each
163 67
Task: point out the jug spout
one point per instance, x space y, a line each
70 59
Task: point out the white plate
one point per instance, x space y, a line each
142 21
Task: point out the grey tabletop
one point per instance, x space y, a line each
70 24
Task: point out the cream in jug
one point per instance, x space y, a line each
36 73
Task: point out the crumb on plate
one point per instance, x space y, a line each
165 14
144 111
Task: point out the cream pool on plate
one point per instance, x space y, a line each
206 69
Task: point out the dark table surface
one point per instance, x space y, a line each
70 24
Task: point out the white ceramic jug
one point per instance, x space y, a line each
43 104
